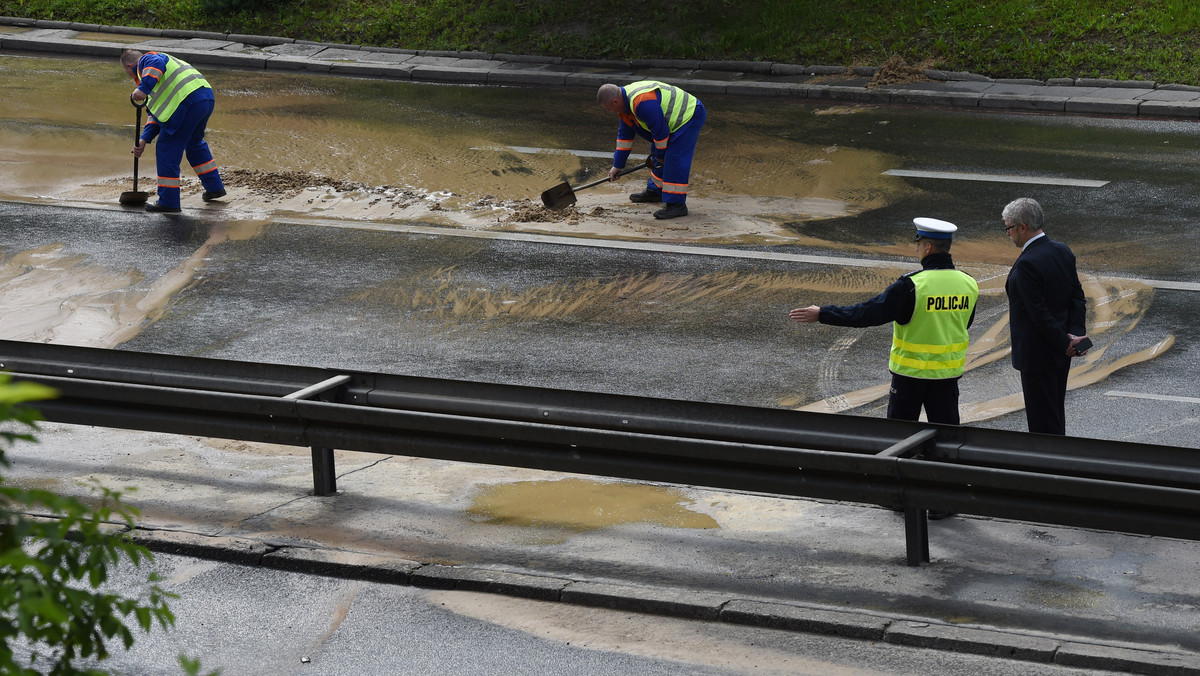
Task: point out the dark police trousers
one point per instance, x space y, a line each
939 397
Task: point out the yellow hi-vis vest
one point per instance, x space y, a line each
177 81
677 105
933 344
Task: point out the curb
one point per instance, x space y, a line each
816 82
675 602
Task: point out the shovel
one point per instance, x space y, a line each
562 195
134 198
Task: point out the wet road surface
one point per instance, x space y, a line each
352 277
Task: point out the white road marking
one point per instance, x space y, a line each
529 150
1155 397
996 178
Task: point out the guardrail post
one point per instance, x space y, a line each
916 535
324 475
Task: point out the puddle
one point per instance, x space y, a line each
579 505
1063 596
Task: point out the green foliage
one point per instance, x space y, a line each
53 567
1153 39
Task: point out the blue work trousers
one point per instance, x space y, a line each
674 164
185 137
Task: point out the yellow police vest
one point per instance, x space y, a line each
933 344
677 105
177 81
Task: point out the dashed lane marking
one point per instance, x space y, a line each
997 178
1155 397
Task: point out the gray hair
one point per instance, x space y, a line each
607 92
1024 210
130 57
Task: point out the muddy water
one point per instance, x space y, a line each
579 505
446 151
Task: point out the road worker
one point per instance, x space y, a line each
670 119
179 101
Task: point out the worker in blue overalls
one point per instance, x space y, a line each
179 101
670 119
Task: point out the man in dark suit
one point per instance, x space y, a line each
1046 309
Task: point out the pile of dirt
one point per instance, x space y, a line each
897 71
284 184
526 211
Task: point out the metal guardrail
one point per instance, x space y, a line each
1107 485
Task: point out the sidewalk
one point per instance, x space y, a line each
1042 594
736 78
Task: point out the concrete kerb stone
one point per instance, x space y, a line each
1021 102
334 563
1127 660
805 620
449 75
537 587
1180 109
503 76
970 640
686 603
381 70
221 548
1102 106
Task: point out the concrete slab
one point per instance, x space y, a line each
337 54
294 50
383 57
1171 95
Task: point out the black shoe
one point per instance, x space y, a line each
157 208
646 196
210 195
938 515
671 211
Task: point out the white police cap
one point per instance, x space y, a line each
932 228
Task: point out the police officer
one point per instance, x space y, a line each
930 311
179 101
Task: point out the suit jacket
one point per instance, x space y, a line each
1045 303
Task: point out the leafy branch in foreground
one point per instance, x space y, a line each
55 556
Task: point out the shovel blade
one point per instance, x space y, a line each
133 198
560 196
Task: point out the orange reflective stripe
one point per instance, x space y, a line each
624 145
168 181
675 188
661 145
642 97
208 166
151 70
657 181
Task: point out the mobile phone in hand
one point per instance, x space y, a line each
1083 345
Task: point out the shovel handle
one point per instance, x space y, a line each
137 136
628 170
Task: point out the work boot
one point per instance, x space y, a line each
159 208
671 211
646 196
210 195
